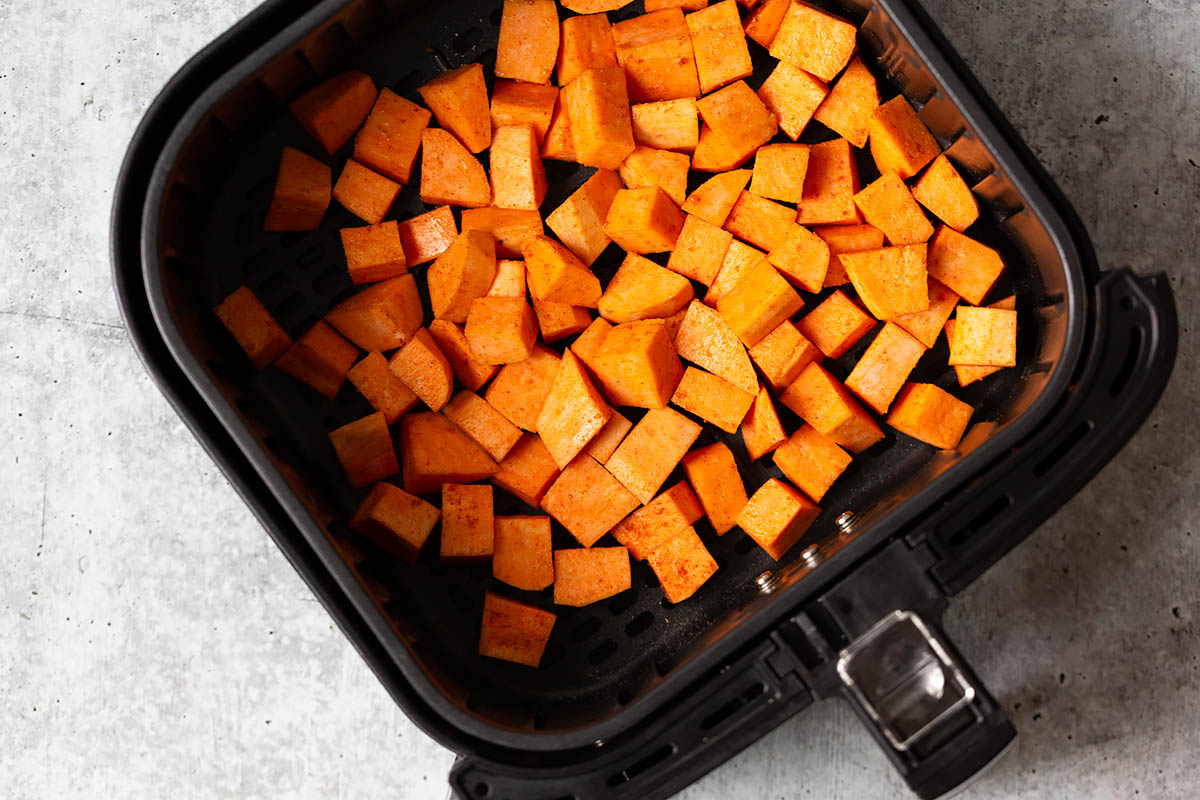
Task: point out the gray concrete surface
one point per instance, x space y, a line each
153 643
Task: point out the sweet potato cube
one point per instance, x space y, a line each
643 220
836 324
579 221
637 366
776 517
759 221
826 405
461 274
573 413
501 330
641 289
586 43
528 46
517 103
520 389
714 154
714 476
593 6
890 281
925 326
814 41
601 123
364 448
554 273
943 191
762 431
719 44
487 426
811 461
374 253
655 50
967 375
686 5
527 471
969 268
605 443
459 102
984 337
433 452
682 565
395 520
740 259
558 144
424 369
652 450
889 206
830 185
301 196
426 236
454 346
646 166
523 554
510 227
588 343
846 239
331 111
518 177
779 172
560 320
586 576
761 300
659 520
364 192
713 399
802 258
738 116
884 367
699 250
931 415
253 327
851 102
793 96
900 142
319 359
468 522
450 175
382 388
667 124
714 199
763 22
705 339
381 317
587 500
783 354
390 138
514 631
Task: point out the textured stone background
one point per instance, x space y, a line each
154 643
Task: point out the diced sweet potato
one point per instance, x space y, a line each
740 259
501 330
811 461
364 192
967 375
510 227
846 239
705 339
783 354
738 116
461 274
468 522
802 258
364 448
459 101
762 432
931 415
319 359
579 221
779 172
433 452
554 273
763 22
527 471
605 443
667 170
424 369
925 326
851 102
643 220
601 123
714 154
587 500
587 43
426 236
253 327
713 399
374 253
573 413
382 388
686 5
884 367
395 520
714 476
682 565
332 111
449 174
984 337
588 343
518 177
523 554
454 346
889 206
900 142
814 41
517 103
651 451
381 317
793 96
715 198
836 324
826 405
641 289
943 191
890 281
667 124
699 250
560 320
655 50
528 46
719 45
659 520
967 267
514 631
761 300
777 516
558 144
487 426
390 138
830 185
593 6
637 366
302 192
759 221
586 576
520 389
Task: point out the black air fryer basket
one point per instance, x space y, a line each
635 698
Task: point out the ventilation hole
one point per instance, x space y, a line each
495 16
639 624
586 629
626 696
311 256
274 286
409 82
440 61
290 306
1121 380
466 41
539 719
1065 446
993 509
638 767
1127 303
744 546
553 654
330 282
602 652
732 707
663 668
667 604
482 789
622 602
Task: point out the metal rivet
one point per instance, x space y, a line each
811 556
598 743
767 582
846 521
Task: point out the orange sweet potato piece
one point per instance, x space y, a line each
655 50
793 96
739 259
884 367
520 389
586 43
713 399
587 500
836 324
889 206
560 320
319 359
554 273
558 144
967 375
667 124
846 239
381 317
605 443
433 452
454 346
667 170
643 220
682 565
514 631
382 388
468 522
424 369
777 516
714 154
487 426
574 411
518 177
714 199
501 330
830 185
816 42
390 138
364 448
900 142
826 405
890 281
943 191
659 520
586 576
641 289
510 227
332 111
517 103
761 300
459 102
588 343
528 45
509 280
984 337
779 172
969 268
931 415
719 45
925 326
637 366
364 192
253 327
714 476
449 174
579 221
811 461
686 5
759 221
802 258
738 117
763 22
851 102
374 253
601 123
527 471
426 236
593 6
301 196
461 274
395 520
705 339
652 450
762 432
783 354
699 250
523 554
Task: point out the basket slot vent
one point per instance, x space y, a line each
732 707
638 767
